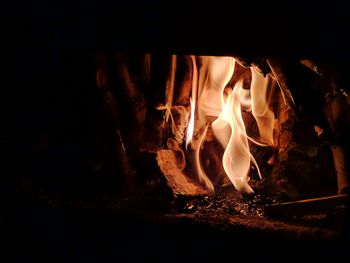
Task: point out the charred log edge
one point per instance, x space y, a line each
307 206
111 106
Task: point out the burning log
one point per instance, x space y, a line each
176 178
183 90
183 77
336 109
331 126
175 119
172 125
216 81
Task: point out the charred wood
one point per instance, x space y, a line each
337 112
308 206
327 112
303 87
113 110
132 93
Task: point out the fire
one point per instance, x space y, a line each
210 101
218 71
230 131
190 128
229 128
201 174
215 73
260 88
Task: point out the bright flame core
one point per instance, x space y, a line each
219 71
208 100
201 174
193 99
230 131
190 127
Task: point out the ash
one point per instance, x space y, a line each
227 202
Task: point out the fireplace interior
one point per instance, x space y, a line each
206 139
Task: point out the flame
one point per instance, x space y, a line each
207 100
230 131
263 115
214 75
190 128
219 71
201 174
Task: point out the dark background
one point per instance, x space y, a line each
50 104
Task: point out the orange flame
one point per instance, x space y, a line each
201 174
190 128
264 117
230 131
214 75
219 71
208 100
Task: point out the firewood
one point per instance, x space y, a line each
308 206
299 87
183 91
260 64
169 90
336 111
169 125
328 110
175 176
278 71
113 110
341 168
134 96
147 62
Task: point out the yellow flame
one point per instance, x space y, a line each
190 128
207 99
214 75
264 117
201 174
230 131
219 71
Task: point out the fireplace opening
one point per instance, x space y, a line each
217 121
226 141
200 147
181 152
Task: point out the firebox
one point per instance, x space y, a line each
264 118
240 129
197 133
